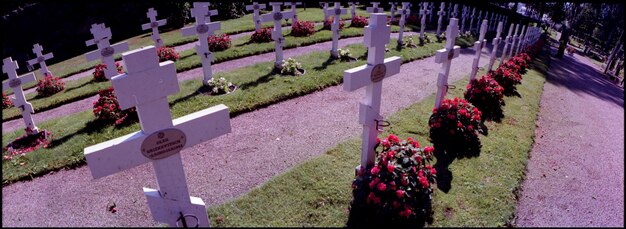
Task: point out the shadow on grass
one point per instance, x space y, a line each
81 85
263 79
450 150
93 126
324 65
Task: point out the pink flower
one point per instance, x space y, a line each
381 186
390 168
428 149
375 170
400 193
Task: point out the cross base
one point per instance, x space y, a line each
168 211
334 54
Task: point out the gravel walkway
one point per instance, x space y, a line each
575 174
86 104
263 144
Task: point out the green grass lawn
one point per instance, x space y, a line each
174 38
318 191
258 87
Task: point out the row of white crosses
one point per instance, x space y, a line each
404 13
336 11
370 76
15 82
146 85
521 39
203 28
105 52
496 42
255 7
154 25
277 33
478 47
514 40
507 42
41 60
444 56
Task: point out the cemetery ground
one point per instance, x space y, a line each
258 157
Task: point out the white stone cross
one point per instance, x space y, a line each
522 39
492 21
277 33
105 52
514 42
393 9
444 56
15 82
430 12
478 20
463 16
478 48
370 76
507 42
404 13
41 59
154 25
336 11
202 29
423 12
456 7
293 9
441 13
472 19
374 8
324 8
496 42
255 17
353 9
146 86
519 40
449 11
209 12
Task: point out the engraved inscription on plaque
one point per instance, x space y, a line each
278 16
15 82
108 51
337 11
163 143
154 24
41 59
378 73
202 28
256 7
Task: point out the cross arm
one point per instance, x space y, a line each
147 26
359 77
443 54
36 60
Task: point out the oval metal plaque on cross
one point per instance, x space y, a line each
404 12
202 28
378 73
375 10
154 24
15 82
337 11
278 16
163 143
256 7
40 59
108 51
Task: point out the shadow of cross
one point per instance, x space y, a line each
478 48
255 7
203 28
444 56
496 42
154 25
277 33
370 76
336 11
41 59
15 82
105 52
146 86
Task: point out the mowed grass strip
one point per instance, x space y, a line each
240 48
318 192
258 87
174 38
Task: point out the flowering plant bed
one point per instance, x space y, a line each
107 109
412 20
396 190
441 37
292 67
262 36
328 23
50 85
303 29
508 77
218 87
359 22
26 143
486 95
394 21
98 73
167 53
455 125
521 60
6 101
345 55
219 42
409 42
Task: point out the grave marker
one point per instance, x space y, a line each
293 10
478 48
370 76
507 41
463 16
430 12
496 42
424 12
471 20
255 7
456 7
404 13
336 11
277 34
449 13
154 24
15 82
478 20
374 8
441 13
514 41
353 9
393 9
105 52
325 7
41 59
444 56
203 28
146 86
520 39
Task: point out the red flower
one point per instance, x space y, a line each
428 149
400 193
375 170
381 186
390 168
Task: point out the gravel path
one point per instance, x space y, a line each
575 174
263 144
86 104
